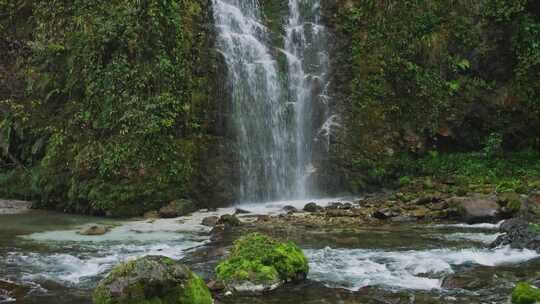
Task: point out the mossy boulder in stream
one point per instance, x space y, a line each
152 280
525 294
258 263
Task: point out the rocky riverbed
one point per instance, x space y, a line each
388 247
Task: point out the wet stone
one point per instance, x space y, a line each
210 221
312 207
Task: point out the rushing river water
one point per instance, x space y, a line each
42 254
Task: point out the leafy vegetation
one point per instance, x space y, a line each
447 76
117 107
114 105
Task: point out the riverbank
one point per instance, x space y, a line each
14 206
384 247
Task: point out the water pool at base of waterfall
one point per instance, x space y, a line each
41 254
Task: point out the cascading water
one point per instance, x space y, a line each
276 113
305 46
259 112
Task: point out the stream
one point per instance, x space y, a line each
49 262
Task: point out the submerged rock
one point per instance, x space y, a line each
210 221
95 230
152 279
177 208
258 263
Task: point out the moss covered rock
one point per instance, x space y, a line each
152 280
525 294
258 263
229 220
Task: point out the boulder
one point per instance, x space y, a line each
152 279
312 207
519 234
229 220
177 208
383 214
258 263
476 209
510 203
95 230
241 211
290 209
530 209
210 221
11 292
151 215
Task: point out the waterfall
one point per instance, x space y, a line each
275 112
305 46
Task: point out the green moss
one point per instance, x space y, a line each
534 227
230 220
404 181
259 258
192 289
525 294
195 292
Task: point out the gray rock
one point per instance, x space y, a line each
335 205
95 229
177 208
312 207
210 221
241 211
519 234
290 209
476 209
383 214
14 206
229 220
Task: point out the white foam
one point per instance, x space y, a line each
6 299
95 255
471 226
421 270
139 231
73 269
277 206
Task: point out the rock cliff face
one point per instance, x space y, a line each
118 115
411 77
130 107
